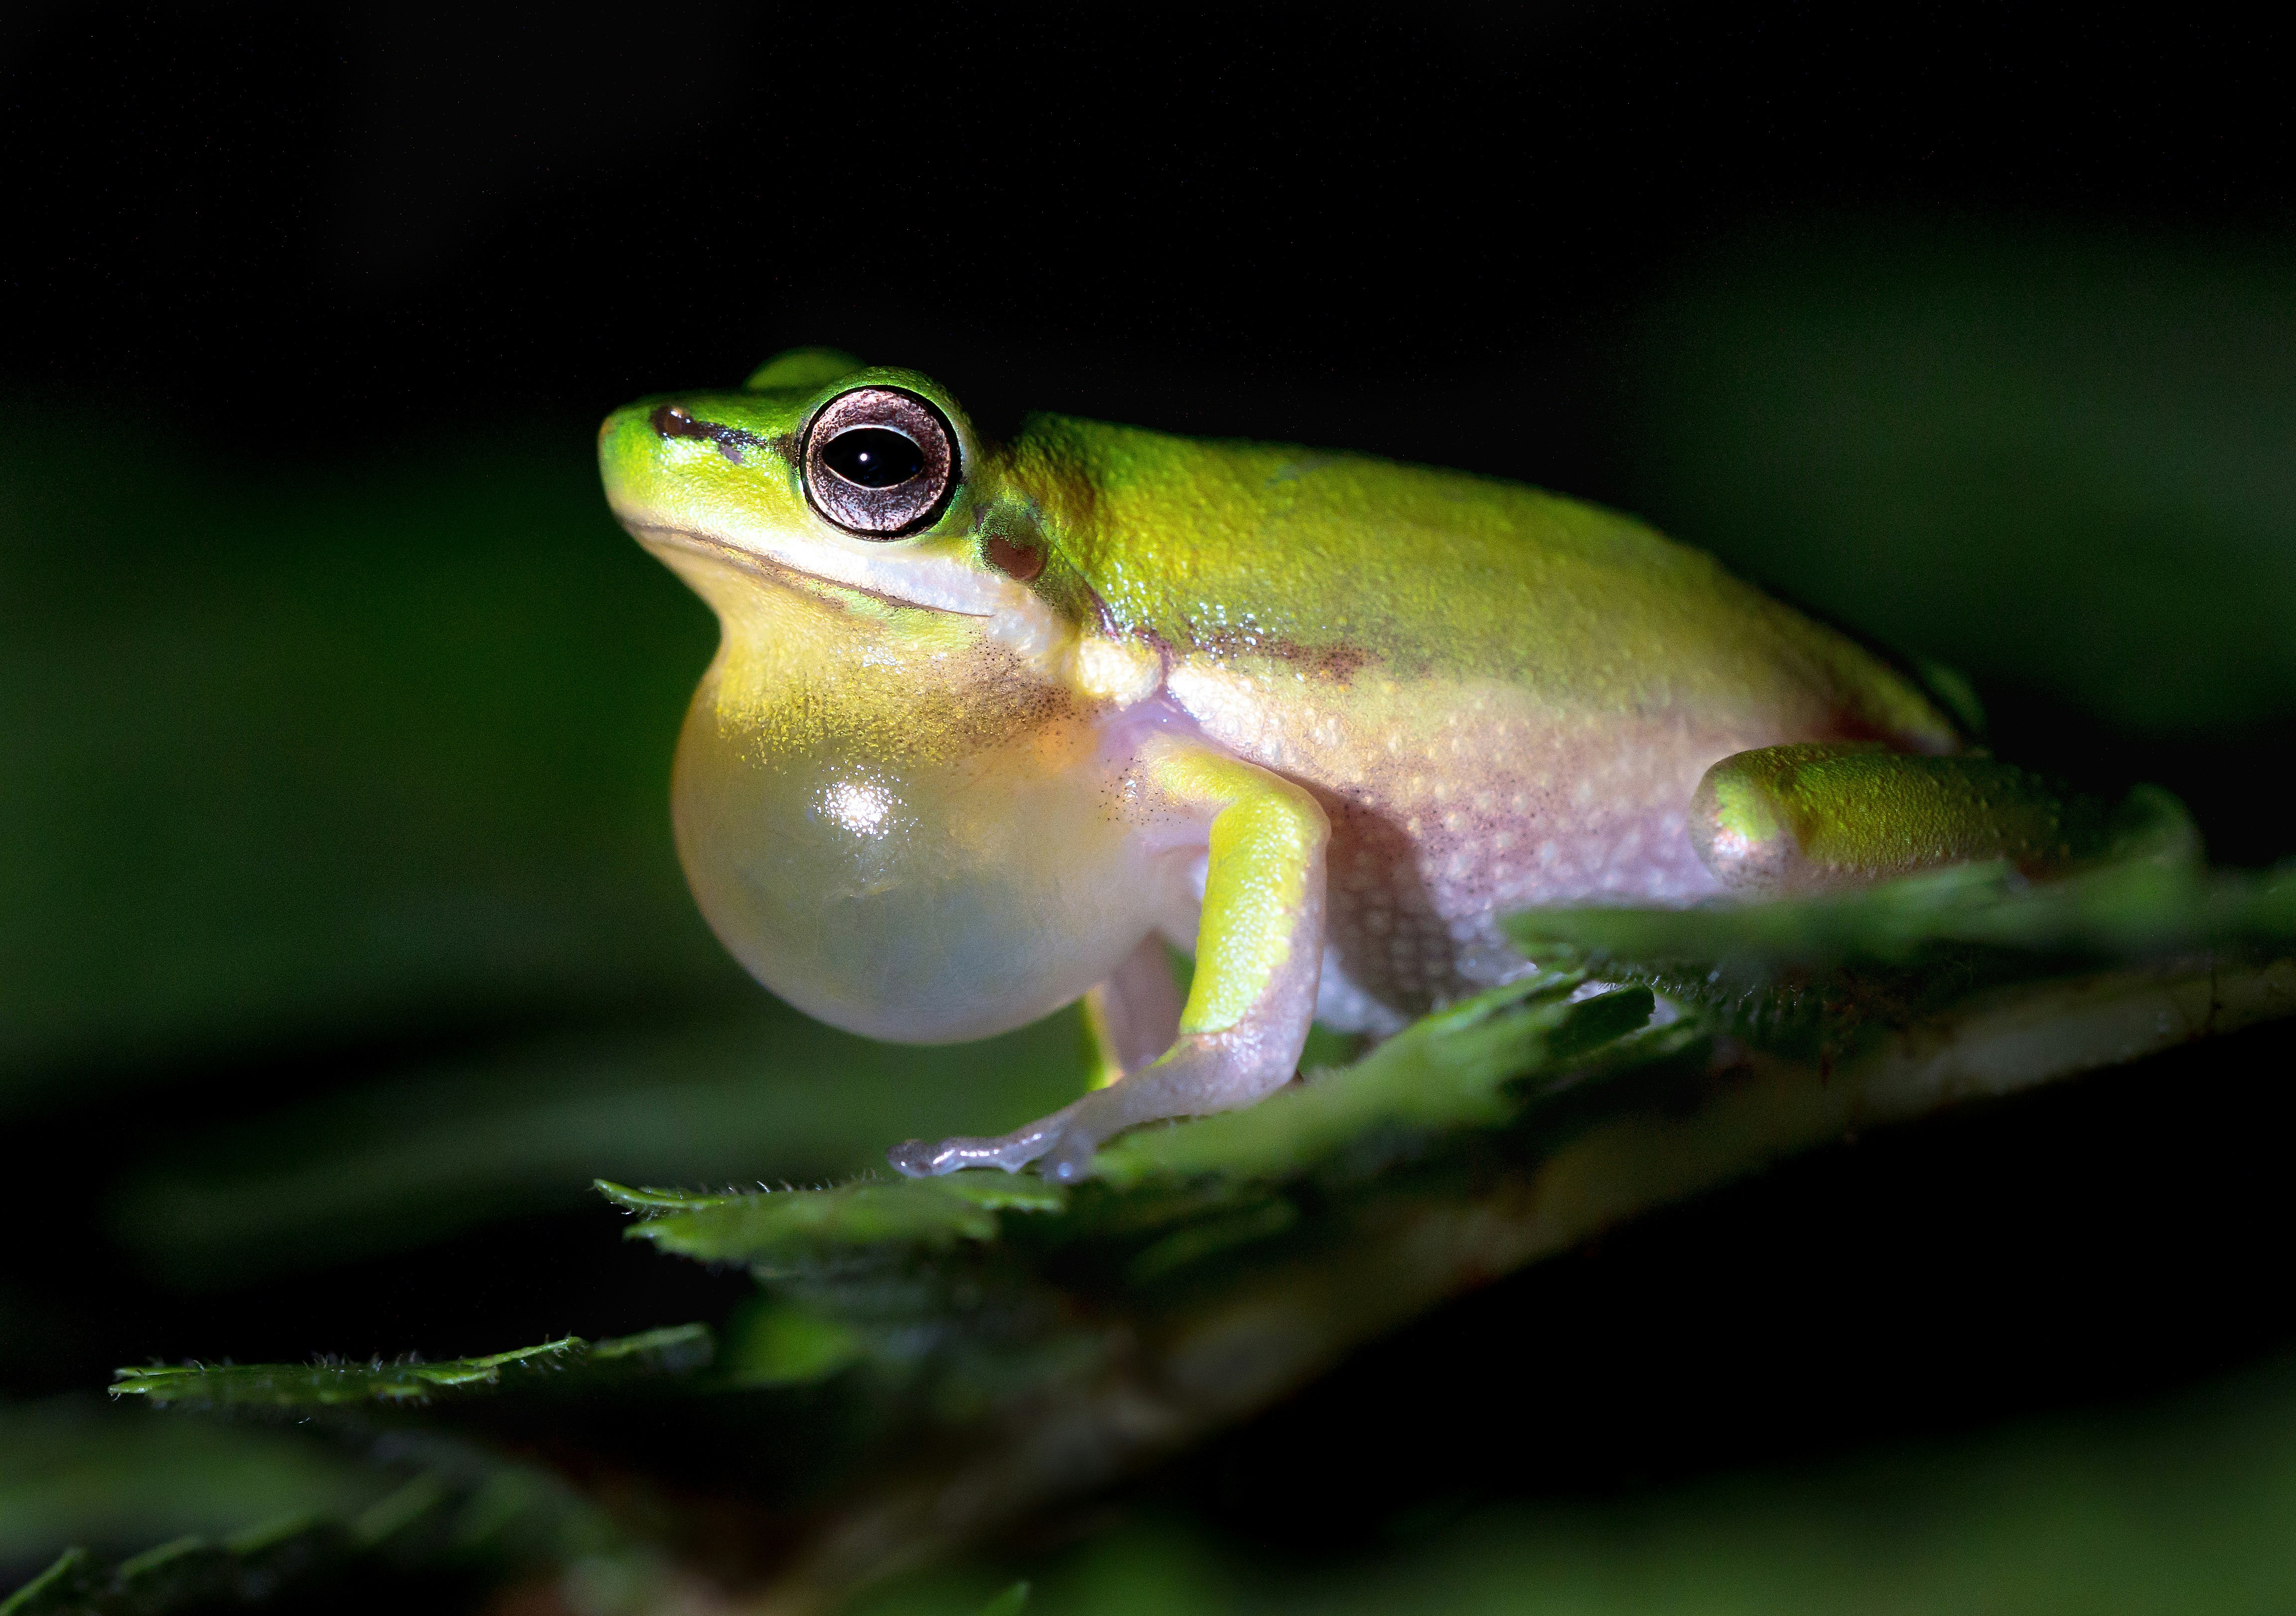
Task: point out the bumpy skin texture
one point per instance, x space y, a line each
1502 698
1318 717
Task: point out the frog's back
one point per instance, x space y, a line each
1504 698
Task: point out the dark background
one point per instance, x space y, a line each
1969 327
317 235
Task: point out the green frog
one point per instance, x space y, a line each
991 724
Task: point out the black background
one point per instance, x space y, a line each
333 230
301 239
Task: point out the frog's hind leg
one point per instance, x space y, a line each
1134 1016
1809 817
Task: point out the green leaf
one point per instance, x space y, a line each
672 1350
1816 977
1217 1263
790 1225
1448 1071
653 1203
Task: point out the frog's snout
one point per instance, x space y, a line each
677 421
646 447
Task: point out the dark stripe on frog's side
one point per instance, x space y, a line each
671 421
1339 661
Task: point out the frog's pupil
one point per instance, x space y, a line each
873 457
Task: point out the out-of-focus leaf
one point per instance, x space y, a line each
66 1585
393 1164
187 1514
2183 1506
190 1573
2054 459
1012 1602
302 758
118 1479
777 1343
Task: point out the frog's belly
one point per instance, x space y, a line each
1422 867
1451 809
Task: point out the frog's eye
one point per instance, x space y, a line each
879 461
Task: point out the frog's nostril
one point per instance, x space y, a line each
675 421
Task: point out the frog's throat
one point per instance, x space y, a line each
1009 613
958 594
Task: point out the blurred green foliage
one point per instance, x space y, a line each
245 1516
290 755
2181 1509
2182 1504
442 1148
2052 460
73 1475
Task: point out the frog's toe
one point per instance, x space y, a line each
915 1158
1068 1160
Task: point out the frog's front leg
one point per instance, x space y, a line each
1259 948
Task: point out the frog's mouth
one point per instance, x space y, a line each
865 576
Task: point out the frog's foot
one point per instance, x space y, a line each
1011 1152
1259 950
1203 1072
